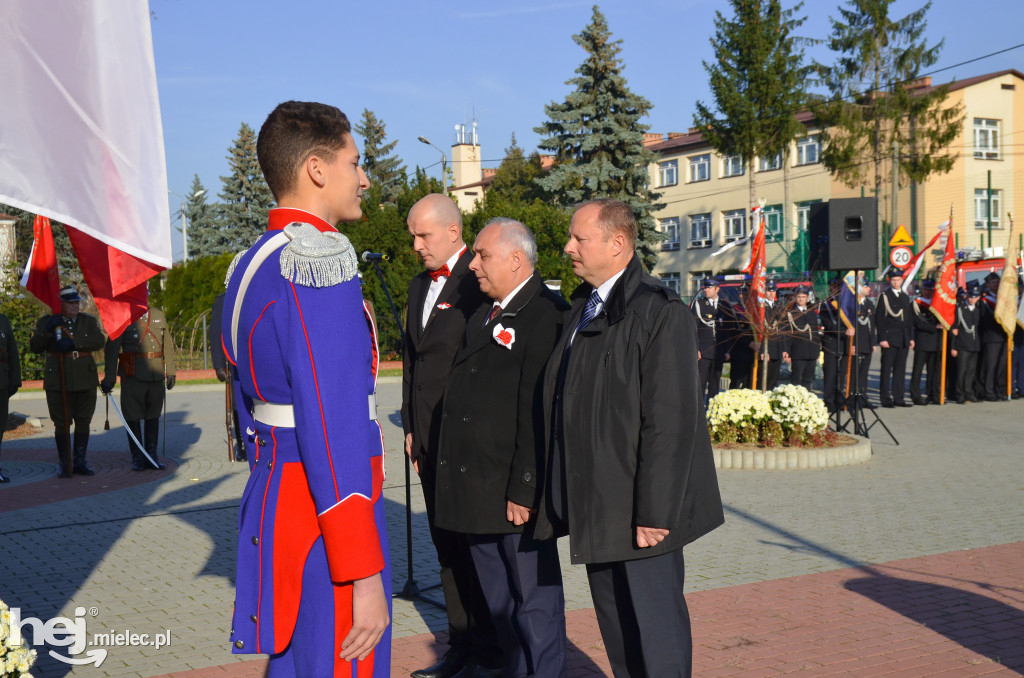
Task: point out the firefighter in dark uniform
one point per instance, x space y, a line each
714 330
773 329
69 377
927 348
741 355
835 345
10 375
967 343
144 359
800 339
865 341
993 343
894 323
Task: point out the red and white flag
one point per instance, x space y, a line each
83 141
41 278
756 270
910 272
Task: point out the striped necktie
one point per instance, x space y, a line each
589 311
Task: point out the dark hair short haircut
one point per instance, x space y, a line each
615 216
291 133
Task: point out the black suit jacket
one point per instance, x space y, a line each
894 319
429 350
800 332
492 426
927 328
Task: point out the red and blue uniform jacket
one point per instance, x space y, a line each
315 349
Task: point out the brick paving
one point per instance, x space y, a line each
938 519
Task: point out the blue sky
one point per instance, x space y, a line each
425 66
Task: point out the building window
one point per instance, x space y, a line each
808 150
700 167
732 166
672 281
735 222
803 214
670 227
668 172
700 230
696 278
772 163
773 221
986 139
981 207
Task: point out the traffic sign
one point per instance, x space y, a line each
900 256
901 238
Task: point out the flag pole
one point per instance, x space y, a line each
942 371
1009 335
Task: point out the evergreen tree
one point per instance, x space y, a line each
515 178
757 81
381 167
245 194
208 235
598 139
875 100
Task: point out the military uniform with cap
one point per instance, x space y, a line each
774 317
69 378
714 336
143 356
835 347
927 348
10 374
967 343
800 339
894 323
994 343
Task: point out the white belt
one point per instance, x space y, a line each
283 415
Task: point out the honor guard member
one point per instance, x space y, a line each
10 375
1017 356
70 377
865 341
313 584
714 340
967 343
835 347
927 348
894 323
774 339
993 343
143 356
800 339
741 355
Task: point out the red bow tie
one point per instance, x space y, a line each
434 275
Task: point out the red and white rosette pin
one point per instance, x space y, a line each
505 336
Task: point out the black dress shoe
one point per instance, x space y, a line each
887 403
920 401
451 664
904 403
960 401
993 399
477 671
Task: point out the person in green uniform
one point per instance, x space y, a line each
70 376
10 375
143 356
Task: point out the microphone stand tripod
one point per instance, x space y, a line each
411 590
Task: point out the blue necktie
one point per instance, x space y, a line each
589 311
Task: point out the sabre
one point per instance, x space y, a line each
111 401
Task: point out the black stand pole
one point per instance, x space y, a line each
411 590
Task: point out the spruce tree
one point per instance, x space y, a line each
381 167
598 139
208 235
876 101
757 81
245 196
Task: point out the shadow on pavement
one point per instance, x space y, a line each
978 623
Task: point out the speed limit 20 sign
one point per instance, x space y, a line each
900 256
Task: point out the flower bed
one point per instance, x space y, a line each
788 415
15 660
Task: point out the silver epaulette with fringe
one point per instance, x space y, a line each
231 267
317 259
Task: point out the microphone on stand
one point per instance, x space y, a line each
375 256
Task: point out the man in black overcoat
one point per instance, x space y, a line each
632 477
492 450
441 299
800 339
927 348
894 323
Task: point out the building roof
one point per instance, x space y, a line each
7 217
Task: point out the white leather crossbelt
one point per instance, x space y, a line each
283 415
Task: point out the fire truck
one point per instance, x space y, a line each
975 264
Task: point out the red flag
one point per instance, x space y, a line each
41 278
911 269
944 301
116 279
756 269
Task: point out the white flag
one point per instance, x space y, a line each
80 122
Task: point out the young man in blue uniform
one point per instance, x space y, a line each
313 581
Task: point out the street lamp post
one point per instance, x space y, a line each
444 162
184 219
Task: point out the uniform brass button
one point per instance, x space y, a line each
527 476
466 419
239 644
462 468
262 442
252 617
473 370
270 464
255 540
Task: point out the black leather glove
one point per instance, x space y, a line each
11 391
64 345
107 386
170 382
55 319
222 373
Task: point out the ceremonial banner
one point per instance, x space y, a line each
1006 295
944 301
848 300
41 279
910 272
83 142
756 269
